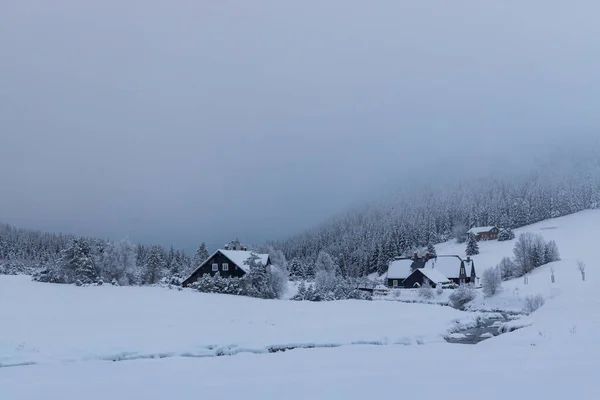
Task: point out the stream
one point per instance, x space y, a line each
486 329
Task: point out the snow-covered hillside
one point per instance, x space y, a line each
71 331
576 236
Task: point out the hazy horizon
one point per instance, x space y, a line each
199 121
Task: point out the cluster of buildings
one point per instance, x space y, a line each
445 271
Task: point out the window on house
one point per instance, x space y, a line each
215 267
395 282
225 267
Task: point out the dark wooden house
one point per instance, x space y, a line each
427 275
402 267
228 263
485 232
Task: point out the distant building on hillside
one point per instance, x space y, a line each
449 268
229 263
485 232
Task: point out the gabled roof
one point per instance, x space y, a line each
448 266
468 266
400 269
480 229
433 275
237 257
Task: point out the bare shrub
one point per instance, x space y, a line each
532 303
581 268
491 281
462 296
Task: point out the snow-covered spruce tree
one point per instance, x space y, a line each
301 294
154 267
472 246
505 234
257 281
431 250
296 270
491 281
200 256
78 263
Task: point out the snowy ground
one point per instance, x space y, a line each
69 331
49 323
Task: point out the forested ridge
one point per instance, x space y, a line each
363 241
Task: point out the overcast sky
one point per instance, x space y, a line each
182 121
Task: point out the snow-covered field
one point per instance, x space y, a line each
49 323
70 331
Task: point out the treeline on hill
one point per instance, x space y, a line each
364 241
69 259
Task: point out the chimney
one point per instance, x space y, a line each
415 255
427 256
468 258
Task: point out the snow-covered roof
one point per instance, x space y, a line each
434 275
399 269
239 256
468 266
447 266
480 229
235 256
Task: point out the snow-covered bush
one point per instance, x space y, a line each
17 268
505 234
338 289
491 281
462 296
425 291
439 291
507 268
217 284
532 303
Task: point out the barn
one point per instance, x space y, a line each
228 263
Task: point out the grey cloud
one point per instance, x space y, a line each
187 121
